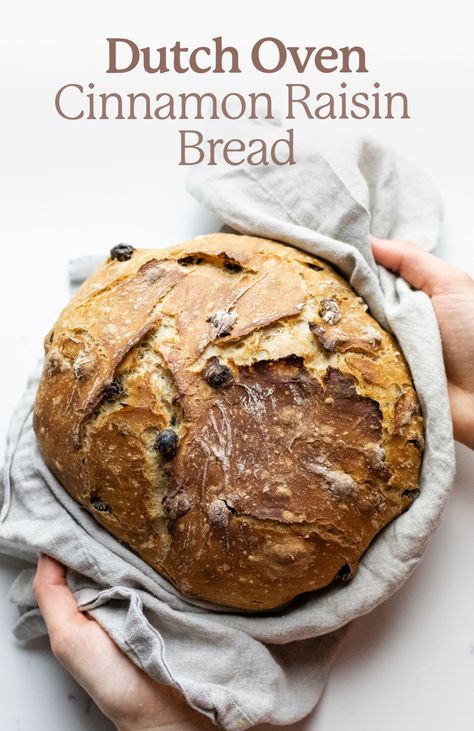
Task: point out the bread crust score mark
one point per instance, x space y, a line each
230 411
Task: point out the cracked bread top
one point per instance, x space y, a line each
229 410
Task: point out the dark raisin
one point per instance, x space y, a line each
112 391
122 252
100 504
187 260
415 443
166 443
173 421
344 573
217 374
316 267
232 266
411 493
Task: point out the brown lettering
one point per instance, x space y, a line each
113 69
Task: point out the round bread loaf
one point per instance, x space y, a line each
230 411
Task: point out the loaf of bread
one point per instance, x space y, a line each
230 411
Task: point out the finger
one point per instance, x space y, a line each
421 269
462 408
55 599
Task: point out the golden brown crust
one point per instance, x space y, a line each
230 410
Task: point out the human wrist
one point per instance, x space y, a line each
181 725
171 713
166 727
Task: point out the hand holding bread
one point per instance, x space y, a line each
123 692
452 294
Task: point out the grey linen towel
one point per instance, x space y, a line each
241 669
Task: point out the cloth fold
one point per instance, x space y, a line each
242 668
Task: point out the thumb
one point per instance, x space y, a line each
55 600
420 269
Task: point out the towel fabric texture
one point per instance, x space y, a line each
239 668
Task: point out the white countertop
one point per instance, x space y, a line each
70 189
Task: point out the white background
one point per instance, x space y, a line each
70 188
